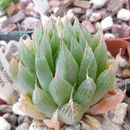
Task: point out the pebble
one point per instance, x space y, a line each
74 127
29 23
109 35
70 14
89 12
6 108
95 17
107 23
125 73
121 30
78 10
12 119
109 125
115 5
123 14
118 113
98 3
37 128
24 126
4 125
89 26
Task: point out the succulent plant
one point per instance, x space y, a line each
63 68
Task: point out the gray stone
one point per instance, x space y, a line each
27 119
74 127
107 23
89 12
13 48
4 125
123 14
9 56
24 126
12 119
115 5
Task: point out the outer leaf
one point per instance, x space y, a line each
67 66
26 80
85 93
71 114
88 64
43 72
27 57
76 51
107 104
60 90
104 83
43 102
101 57
46 52
38 32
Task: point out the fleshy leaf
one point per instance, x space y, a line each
104 82
71 113
82 41
67 66
27 57
37 36
60 90
96 39
46 52
76 51
67 30
55 42
76 29
43 72
101 57
43 102
88 65
87 36
85 93
26 80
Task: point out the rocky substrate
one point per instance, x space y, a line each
116 119
112 15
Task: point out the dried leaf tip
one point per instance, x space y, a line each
110 67
36 84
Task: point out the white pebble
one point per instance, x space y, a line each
118 113
123 14
107 23
98 3
4 125
109 35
